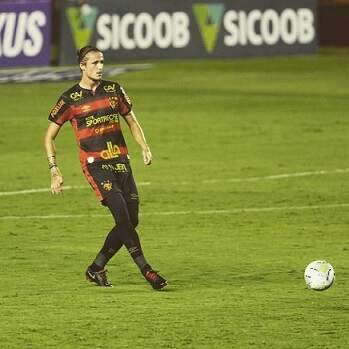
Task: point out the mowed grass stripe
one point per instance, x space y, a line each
206 181
175 213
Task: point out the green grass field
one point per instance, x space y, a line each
231 236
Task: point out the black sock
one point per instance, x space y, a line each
95 267
124 230
112 244
134 248
145 269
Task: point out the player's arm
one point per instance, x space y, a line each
56 175
139 137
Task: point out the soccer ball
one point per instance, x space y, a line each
319 275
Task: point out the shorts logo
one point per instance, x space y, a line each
134 196
118 168
107 185
57 108
113 101
133 250
75 96
109 88
112 151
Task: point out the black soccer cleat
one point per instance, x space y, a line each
98 277
155 280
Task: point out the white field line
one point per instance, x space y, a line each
279 176
196 212
207 181
43 190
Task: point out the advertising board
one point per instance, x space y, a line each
25 29
186 29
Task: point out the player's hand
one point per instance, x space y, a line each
56 180
147 157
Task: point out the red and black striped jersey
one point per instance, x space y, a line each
94 117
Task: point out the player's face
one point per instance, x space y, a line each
92 67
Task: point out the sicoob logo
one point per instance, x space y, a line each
82 21
209 18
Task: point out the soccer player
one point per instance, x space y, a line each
94 106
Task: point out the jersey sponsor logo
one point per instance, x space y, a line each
109 88
113 101
125 95
110 118
57 108
107 185
118 168
75 96
103 129
112 151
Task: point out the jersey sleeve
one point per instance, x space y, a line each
60 112
125 105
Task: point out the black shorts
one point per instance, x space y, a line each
106 177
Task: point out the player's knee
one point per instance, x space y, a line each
134 221
133 212
123 221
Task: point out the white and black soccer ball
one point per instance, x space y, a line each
319 275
